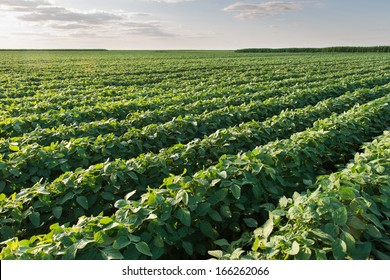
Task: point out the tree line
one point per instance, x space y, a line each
310 50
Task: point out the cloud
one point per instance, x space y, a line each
68 26
170 1
252 11
77 22
61 14
23 3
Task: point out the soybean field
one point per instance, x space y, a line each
194 155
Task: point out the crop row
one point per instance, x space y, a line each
15 126
50 161
150 169
347 216
29 77
183 104
71 97
200 153
135 120
140 109
41 86
162 155
191 210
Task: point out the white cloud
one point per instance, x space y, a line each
170 1
23 3
61 14
77 22
273 8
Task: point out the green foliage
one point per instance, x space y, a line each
331 226
192 155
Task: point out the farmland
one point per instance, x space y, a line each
194 155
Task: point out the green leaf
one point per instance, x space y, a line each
121 203
66 241
347 193
308 242
133 175
373 219
14 148
382 255
340 216
114 178
323 235
130 194
158 241
3 165
215 215
221 242
380 169
42 190
105 221
257 192
83 201
361 251
99 237
184 216
188 248
17 127
134 238
256 244
7 232
250 222
14 171
236 191
268 228
108 196
223 174
320 255
294 249
218 196
110 253
339 249
225 211
173 187
65 198
356 223
143 248
308 182
207 229
373 231
35 218
82 243
386 222
180 195
349 240
216 253
157 252
121 242
283 201
214 182
237 253
304 254
57 212
331 229
70 252
203 208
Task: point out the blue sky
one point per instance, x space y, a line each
192 24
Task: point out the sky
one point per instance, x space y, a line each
192 24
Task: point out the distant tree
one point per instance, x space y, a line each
348 49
